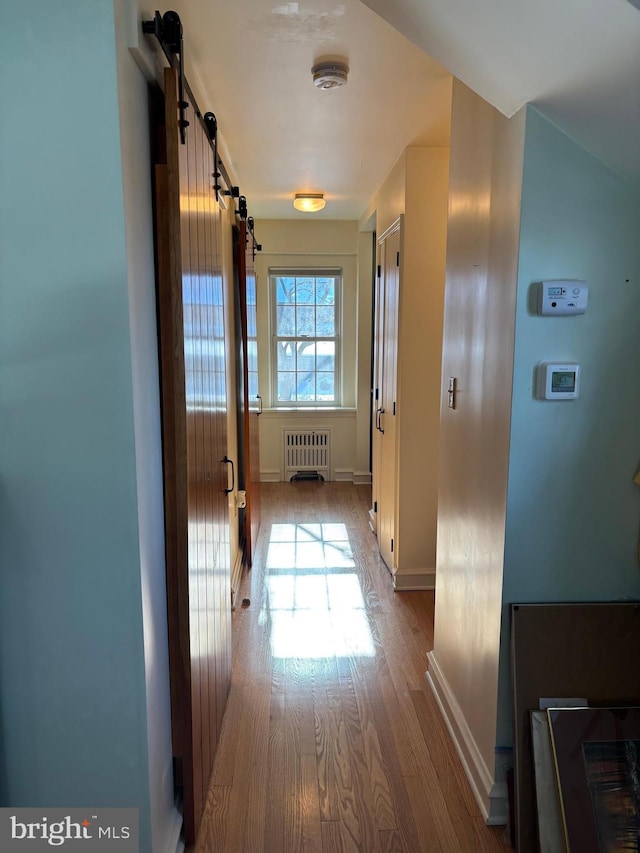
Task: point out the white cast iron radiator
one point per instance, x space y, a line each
306 451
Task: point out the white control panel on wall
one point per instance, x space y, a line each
558 380
562 297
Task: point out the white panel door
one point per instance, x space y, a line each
386 413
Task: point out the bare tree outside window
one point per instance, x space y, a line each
306 323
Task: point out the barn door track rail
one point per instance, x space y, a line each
168 31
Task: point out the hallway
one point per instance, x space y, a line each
332 740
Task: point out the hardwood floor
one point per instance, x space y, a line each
332 740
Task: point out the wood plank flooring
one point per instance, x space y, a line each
332 740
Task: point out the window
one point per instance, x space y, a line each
306 341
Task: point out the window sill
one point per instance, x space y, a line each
310 412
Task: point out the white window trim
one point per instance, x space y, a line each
316 272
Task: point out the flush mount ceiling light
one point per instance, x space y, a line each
330 75
309 202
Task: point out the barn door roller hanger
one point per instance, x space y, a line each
167 29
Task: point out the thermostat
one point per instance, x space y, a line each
558 381
562 297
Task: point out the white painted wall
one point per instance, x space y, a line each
480 297
341 423
388 202
311 243
574 59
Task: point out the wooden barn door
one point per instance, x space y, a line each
196 469
249 400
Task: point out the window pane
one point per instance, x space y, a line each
326 321
326 386
306 389
306 311
305 291
325 291
252 327
286 355
306 321
285 291
286 323
326 353
286 387
306 357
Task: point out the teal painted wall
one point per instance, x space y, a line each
137 175
573 510
72 701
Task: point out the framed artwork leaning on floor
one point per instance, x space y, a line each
597 759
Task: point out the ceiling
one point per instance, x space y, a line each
250 62
578 60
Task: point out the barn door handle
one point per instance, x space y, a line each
258 397
228 461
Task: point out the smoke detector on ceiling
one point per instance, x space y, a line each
330 75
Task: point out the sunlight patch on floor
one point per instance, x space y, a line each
315 604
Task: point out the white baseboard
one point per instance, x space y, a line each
348 475
419 579
343 475
270 475
476 770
